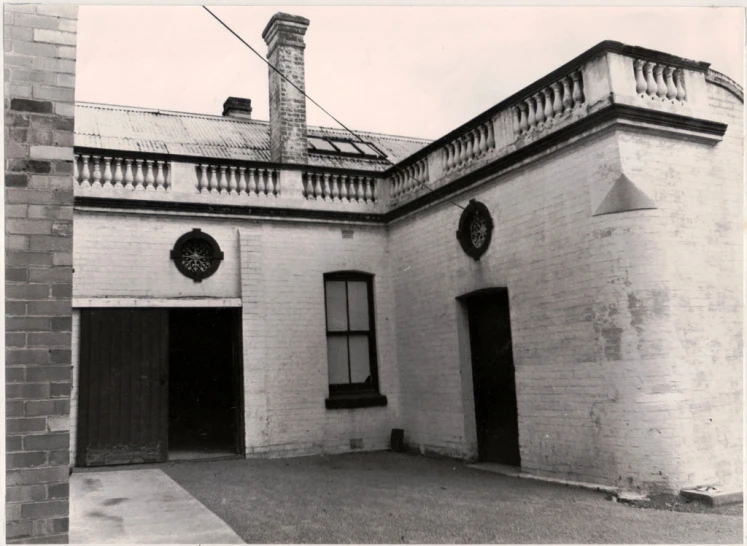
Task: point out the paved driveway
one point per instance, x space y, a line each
392 498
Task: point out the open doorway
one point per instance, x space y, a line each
493 377
204 383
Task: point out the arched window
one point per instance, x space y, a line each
351 340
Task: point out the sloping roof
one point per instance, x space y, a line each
156 131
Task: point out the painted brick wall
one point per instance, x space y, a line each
278 275
625 326
127 255
39 91
285 362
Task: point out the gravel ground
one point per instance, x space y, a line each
401 498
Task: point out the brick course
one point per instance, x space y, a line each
38 139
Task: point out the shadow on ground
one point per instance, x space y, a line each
401 498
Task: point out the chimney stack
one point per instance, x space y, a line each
285 51
236 107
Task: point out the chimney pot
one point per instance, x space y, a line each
236 107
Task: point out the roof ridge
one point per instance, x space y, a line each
158 111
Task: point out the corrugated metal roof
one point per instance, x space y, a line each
156 131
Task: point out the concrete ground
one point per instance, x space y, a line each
140 506
401 498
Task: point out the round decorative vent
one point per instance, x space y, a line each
475 229
196 255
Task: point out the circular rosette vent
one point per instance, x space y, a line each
475 229
196 255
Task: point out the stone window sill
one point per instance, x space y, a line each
355 400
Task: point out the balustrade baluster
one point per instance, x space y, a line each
213 180
679 83
160 177
232 183
129 178
491 135
482 131
578 89
202 181
661 86
223 180
252 182
150 179
671 87
96 171
335 188
118 177
374 190
242 181
367 193
567 94
548 105
76 175
557 104
275 183
326 192
85 173
315 186
640 81
531 119
539 112
515 120
650 83
107 179
449 151
470 148
139 178
523 121
167 175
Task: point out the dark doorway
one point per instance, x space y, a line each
204 383
493 377
122 402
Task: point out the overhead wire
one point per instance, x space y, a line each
268 63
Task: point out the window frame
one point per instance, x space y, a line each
355 392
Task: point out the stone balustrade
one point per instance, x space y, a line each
547 106
100 171
474 144
657 81
236 180
342 188
612 83
408 180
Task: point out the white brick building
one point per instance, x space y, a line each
602 317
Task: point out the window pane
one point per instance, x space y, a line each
360 367
337 356
337 314
368 150
346 147
358 302
321 144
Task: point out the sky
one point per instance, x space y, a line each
414 71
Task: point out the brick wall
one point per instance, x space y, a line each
626 327
39 91
284 37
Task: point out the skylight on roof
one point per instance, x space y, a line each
341 146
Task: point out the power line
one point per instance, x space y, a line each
268 63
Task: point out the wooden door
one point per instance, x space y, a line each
123 398
493 377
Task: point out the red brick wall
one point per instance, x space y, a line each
39 92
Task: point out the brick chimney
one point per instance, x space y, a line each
236 107
284 37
